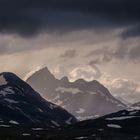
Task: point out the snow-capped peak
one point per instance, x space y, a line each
2 80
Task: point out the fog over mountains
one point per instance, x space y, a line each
83 99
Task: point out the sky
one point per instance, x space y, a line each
90 39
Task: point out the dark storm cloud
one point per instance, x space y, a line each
131 32
28 17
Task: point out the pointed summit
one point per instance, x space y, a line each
42 77
44 71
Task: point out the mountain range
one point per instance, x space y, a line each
122 125
24 114
83 99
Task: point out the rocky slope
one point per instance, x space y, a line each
81 98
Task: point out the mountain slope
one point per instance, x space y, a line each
122 125
81 98
20 104
135 105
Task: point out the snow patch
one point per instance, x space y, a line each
133 112
5 126
119 105
59 102
13 122
9 89
80 111
84 118
55 123
121 118
40 110
92 93
56 98
100 129
52 106
37 129
96 116
70 90
80 138
110 100
114 126
68 121
2 81
11 101
26 134
6 91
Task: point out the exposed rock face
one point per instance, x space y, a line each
81 98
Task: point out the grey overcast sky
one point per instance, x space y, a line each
90 39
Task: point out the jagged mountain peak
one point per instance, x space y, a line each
44 71
65 79
43 75
84 99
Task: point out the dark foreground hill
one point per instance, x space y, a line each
21 105
122 125
24 114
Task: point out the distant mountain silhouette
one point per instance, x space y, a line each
81 98
21 105
122 125
136 105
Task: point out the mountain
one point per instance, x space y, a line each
122 125
124 101
136 105
20 104
81 98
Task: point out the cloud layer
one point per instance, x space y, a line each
29 17
121 88
86 37
107 54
